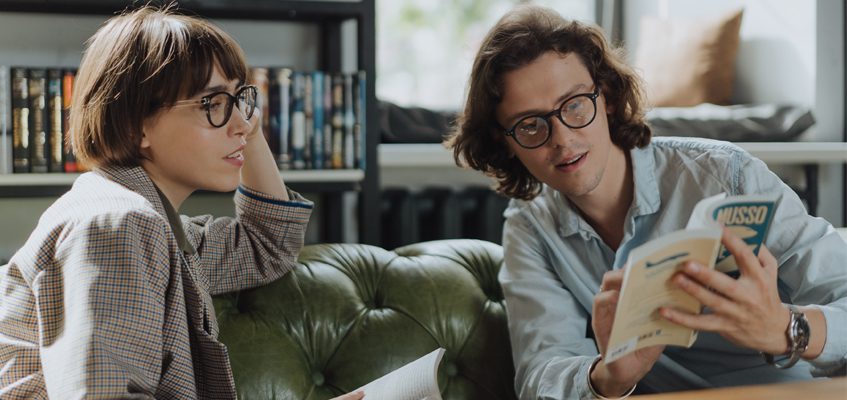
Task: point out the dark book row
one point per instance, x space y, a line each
312 120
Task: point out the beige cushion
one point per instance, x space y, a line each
686 62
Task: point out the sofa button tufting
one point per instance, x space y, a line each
451 369
318 378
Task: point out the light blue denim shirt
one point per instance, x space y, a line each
554 262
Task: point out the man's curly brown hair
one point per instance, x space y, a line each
520 37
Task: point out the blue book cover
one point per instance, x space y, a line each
747 216
317 120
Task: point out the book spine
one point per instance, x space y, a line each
360 128
349 119
298 121
317 120
56 134
20 120
273 111
5 140
260 79
308 113
337 121
283 79
327 128
38 120
67 92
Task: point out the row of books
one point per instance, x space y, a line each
34 105
312 119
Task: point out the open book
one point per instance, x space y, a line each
417 380
646 285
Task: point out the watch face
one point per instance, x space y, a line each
800 332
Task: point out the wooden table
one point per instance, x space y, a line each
819 389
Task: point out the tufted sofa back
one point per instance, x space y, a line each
352 313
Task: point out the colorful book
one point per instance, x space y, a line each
55 134
20 120
283 87
651 266
327 126
5 135
337 121
317 120
70 163
360 127
39 146
349 120
298 121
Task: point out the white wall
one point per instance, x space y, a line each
791 52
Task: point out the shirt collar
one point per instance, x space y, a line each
646 199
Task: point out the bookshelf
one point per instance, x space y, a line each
335 48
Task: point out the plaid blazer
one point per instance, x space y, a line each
101 302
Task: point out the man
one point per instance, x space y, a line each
556 116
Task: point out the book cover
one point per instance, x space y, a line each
327 128
20 120
298 121
70 163
5 135
359 129
337 121
349 120
645 288
748 217
283 79
309 125
317 120
417 380
55 135
39 146
649 268
259 77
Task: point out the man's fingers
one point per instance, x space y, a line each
748 263
612 280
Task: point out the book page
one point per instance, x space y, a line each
646 287
417 380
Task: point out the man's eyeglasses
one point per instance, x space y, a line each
218 105
578 111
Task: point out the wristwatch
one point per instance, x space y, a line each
798 339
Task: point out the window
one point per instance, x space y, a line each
425 48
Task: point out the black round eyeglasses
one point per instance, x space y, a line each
577 111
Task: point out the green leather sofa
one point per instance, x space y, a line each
352 313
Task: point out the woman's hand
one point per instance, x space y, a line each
746 311
351 396
618 377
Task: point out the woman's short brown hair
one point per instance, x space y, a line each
521 36
136 63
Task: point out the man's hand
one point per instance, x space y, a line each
616 378
350 396
746 311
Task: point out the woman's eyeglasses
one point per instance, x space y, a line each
218 105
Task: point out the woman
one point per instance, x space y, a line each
110 297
